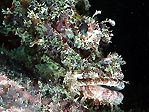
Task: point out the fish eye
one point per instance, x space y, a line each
83 28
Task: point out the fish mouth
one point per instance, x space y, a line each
107 83
101 94
112 88
103 90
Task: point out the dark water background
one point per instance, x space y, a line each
130 39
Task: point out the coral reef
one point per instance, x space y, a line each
67 49
19 93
